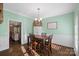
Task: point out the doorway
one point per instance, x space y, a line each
14 33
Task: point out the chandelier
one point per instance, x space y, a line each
38 15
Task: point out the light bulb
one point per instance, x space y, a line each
35 19
40 19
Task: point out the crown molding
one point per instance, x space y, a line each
17 13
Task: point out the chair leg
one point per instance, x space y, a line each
50 50
35 47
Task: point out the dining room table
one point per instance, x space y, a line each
40 41
41 38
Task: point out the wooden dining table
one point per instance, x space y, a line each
40 42
42 39
41 36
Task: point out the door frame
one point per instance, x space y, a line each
21 29
78 33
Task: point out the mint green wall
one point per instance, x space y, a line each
11 16
64 33
65 24
4 28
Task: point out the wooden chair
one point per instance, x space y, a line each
32 42
47 45
43 34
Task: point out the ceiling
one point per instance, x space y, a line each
46 9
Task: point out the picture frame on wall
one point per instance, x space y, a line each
52 25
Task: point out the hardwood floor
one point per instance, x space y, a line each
57 50
14 50
62 50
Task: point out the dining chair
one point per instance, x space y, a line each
32 41
43 34
47 45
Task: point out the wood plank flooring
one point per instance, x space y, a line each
57 50
14 50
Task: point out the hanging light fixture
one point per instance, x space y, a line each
38 16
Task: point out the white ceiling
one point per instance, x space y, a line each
46 9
